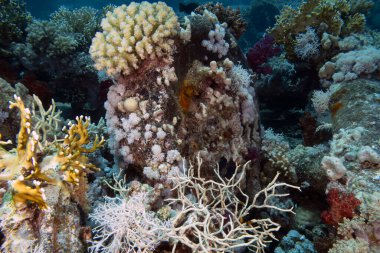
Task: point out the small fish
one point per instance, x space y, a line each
187 8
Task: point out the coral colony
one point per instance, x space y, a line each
201 144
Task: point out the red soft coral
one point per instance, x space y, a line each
342 205
260 53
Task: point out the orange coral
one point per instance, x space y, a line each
336 107
187 91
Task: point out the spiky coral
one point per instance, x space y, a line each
28 175
336 17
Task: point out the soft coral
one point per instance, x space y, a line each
259 54
342 205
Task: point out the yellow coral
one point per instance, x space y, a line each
132 34
70 155
29 169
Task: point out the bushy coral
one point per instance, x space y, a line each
307 44
133 35
342 205
13 20
46 37
276 149
59 41
200 214
48 47
336 17
127 225
82 22
260 53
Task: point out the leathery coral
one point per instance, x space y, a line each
28 174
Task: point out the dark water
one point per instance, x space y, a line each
42 8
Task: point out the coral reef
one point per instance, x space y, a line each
200 214
337 18
55 183
208 143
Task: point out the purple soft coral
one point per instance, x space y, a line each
260 53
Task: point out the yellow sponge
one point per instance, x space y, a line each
133 34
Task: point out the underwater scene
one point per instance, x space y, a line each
187 126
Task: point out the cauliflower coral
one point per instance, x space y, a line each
133 34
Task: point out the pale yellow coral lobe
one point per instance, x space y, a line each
139 31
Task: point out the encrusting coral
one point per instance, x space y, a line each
133 34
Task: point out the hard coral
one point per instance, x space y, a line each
29 173
342 205
236 24
134 34
260 53
60 41
83 22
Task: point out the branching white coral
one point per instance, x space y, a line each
307 44
125 225
213 219
209 216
